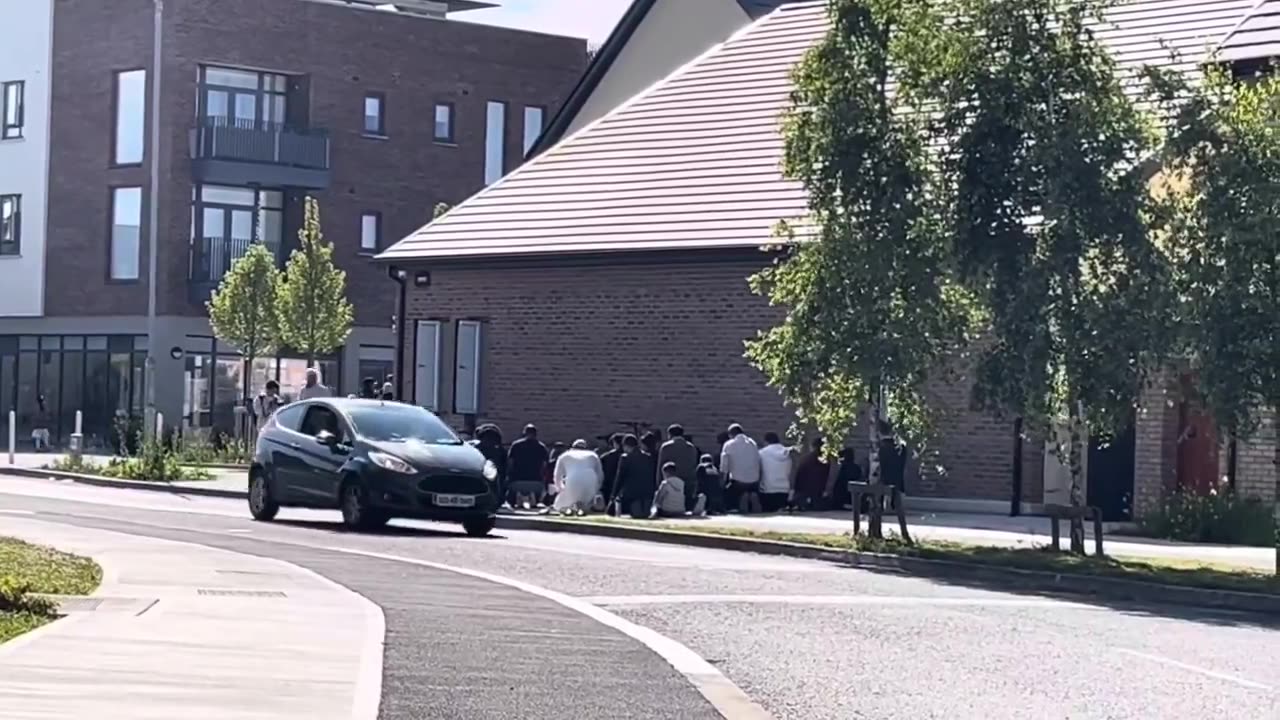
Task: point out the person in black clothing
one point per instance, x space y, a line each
489 442
637 479
609 462
526 469
711 484
850 471
368 389
650 442
893 458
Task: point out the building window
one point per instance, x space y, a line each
532 126
12 95
426 378
466 374
375 122
495 133
10 224
126 232
370 232
444 123
226 220
131 117
245 99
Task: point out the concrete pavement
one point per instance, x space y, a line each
808 640
187 631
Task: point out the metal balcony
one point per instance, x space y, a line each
255 153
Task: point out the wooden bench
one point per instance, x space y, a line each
1058 513
877 493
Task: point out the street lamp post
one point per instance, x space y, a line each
153 215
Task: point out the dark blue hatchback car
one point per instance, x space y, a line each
373 460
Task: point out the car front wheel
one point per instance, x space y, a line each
356 513
262 506
479 526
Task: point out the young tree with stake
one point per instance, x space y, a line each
242 310
314 314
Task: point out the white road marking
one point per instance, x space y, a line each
1198 670
728 699
890 600
17 512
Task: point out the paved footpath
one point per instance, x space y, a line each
187 631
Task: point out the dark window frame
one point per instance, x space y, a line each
261 95
381 131
451 138
115 116
13 248
111 239
12 131
377 233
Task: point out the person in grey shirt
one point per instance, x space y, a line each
314 389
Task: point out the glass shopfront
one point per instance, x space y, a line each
100 375
215 380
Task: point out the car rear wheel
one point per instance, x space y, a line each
262 506
479 526
356 513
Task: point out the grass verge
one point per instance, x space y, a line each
27 569
1157 570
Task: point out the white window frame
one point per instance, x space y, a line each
432 403
495 141
365 247
129 143
475 364
116 247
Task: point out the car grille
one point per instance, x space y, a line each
454 485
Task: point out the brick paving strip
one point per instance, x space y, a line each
230 484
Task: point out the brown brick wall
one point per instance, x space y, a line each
344 52
1256 461
576 348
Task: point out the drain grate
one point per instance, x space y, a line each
209 592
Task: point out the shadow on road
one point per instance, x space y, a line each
385 531
1039 585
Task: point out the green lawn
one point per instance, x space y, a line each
27 569
1169 571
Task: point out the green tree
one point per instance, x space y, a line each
1221 211
871 309
242 310
314 315
1047 197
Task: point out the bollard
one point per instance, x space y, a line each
13 433
77 438
159 427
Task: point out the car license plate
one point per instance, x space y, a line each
456 500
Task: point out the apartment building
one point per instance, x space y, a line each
378 110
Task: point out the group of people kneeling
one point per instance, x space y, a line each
645 477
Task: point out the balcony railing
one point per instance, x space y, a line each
212 257
260 142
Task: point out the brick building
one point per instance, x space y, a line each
604 283
379 110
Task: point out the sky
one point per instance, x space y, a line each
590 19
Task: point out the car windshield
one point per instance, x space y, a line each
393 422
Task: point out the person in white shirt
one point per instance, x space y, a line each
668 501
578 477
775 473
740 462
314 389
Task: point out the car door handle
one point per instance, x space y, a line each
295 446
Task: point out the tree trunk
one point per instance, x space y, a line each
1075 462
875 474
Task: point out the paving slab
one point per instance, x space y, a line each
187 631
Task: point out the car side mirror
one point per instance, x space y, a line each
324 437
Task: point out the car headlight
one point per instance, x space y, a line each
390 462
490 471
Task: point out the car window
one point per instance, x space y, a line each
320 419
394 422
289 417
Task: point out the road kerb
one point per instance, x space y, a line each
98 481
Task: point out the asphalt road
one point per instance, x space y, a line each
808 640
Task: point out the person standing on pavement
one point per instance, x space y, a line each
388 392
850 471
684 455
526 469
40 425
740 462
578 478
636 481
314 388
368 389
775 473
267 402
489 442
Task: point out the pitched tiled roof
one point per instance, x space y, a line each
1257 36
693 163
